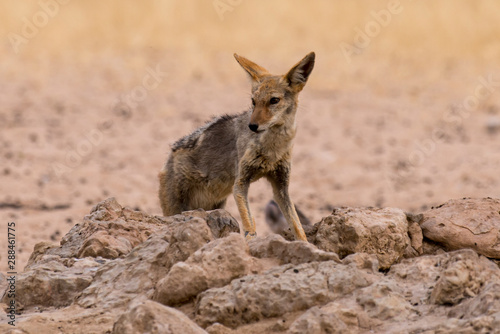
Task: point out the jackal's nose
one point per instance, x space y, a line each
253 127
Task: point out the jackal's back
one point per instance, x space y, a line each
201 168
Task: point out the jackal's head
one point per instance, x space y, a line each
274 97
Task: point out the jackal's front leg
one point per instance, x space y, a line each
279 179
240 192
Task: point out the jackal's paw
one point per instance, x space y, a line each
250 235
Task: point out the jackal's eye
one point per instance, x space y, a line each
274 100
253 102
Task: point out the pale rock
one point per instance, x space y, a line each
351 313
39 251
463 276
416 247
485 303
362 261
465 223
106 232
150 317
283 289
315 321
383 232
284 286
213 265
51 284
295 252
218 329
110 231
124 279
115 255
383 301
221 223
419 275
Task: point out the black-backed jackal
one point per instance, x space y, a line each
228 153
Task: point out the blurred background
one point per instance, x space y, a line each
402 108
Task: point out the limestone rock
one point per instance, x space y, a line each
109 231
485 303
127 252
362 261
465 223
218 329
467 282
366 308
106 232
150 317
213 265
295 252
124 279
445 279
384 300
416 236
267 285
419 275
464 275
39 251
140 249
351 313
71 319
221 223
315 321
383 232
51 283
283 289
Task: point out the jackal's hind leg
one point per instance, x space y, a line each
171 201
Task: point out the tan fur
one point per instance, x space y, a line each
230 152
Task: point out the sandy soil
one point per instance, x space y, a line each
378 130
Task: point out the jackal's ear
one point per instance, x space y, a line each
297 76
255 71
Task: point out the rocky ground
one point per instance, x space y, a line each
89 107
364 270
402 110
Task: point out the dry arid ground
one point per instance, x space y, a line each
401 110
